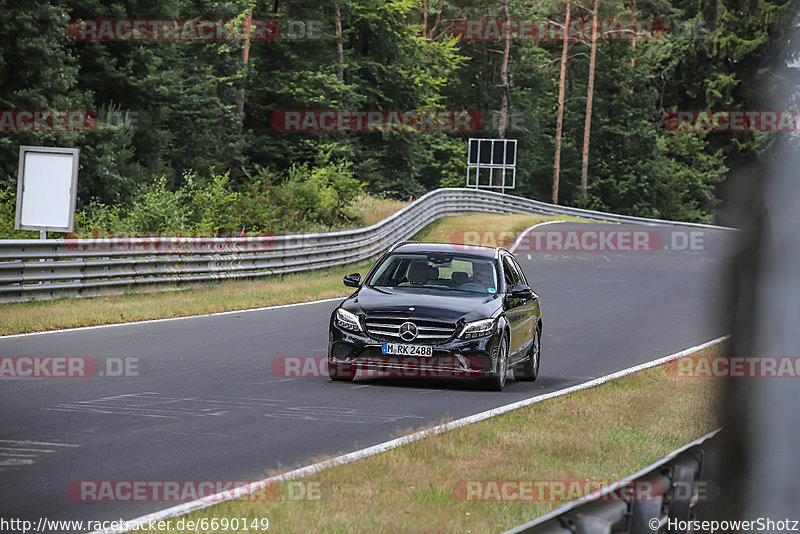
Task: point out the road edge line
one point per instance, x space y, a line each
150 321
526 231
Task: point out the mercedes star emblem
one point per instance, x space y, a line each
408 331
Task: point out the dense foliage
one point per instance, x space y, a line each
173 150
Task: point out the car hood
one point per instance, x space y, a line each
427 304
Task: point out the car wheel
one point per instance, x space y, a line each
529 369
498 382
341 372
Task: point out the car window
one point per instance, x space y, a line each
510 271
391 271
458 267
519 270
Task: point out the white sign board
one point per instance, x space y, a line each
46 188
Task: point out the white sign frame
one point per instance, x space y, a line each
493 164
47 188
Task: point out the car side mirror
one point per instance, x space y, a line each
352 280
520 291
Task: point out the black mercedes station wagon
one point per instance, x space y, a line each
438 310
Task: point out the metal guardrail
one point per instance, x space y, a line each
50 268
678 487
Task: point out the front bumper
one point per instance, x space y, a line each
456 358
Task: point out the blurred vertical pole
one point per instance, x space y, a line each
759 474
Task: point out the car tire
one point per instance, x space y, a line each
528 370
498 382
341 372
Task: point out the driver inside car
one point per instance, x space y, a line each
482 275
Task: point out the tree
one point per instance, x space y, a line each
560 120
587 129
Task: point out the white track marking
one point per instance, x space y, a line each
21 452
526 231
25 449
150 404
43 443
16 462
151 321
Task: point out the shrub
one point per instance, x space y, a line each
157 208
320 194
215 207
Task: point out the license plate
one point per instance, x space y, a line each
407 350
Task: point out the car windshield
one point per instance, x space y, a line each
449 272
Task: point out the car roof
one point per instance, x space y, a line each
467 250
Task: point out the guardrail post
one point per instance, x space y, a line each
642 512
586 524
683 491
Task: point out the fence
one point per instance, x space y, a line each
51 268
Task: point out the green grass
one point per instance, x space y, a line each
232 295
601 434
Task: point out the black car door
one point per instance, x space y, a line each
519 311
513 306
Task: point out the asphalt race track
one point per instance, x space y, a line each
209 407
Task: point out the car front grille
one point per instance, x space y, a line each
429 332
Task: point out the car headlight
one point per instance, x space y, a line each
347 320
484 327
